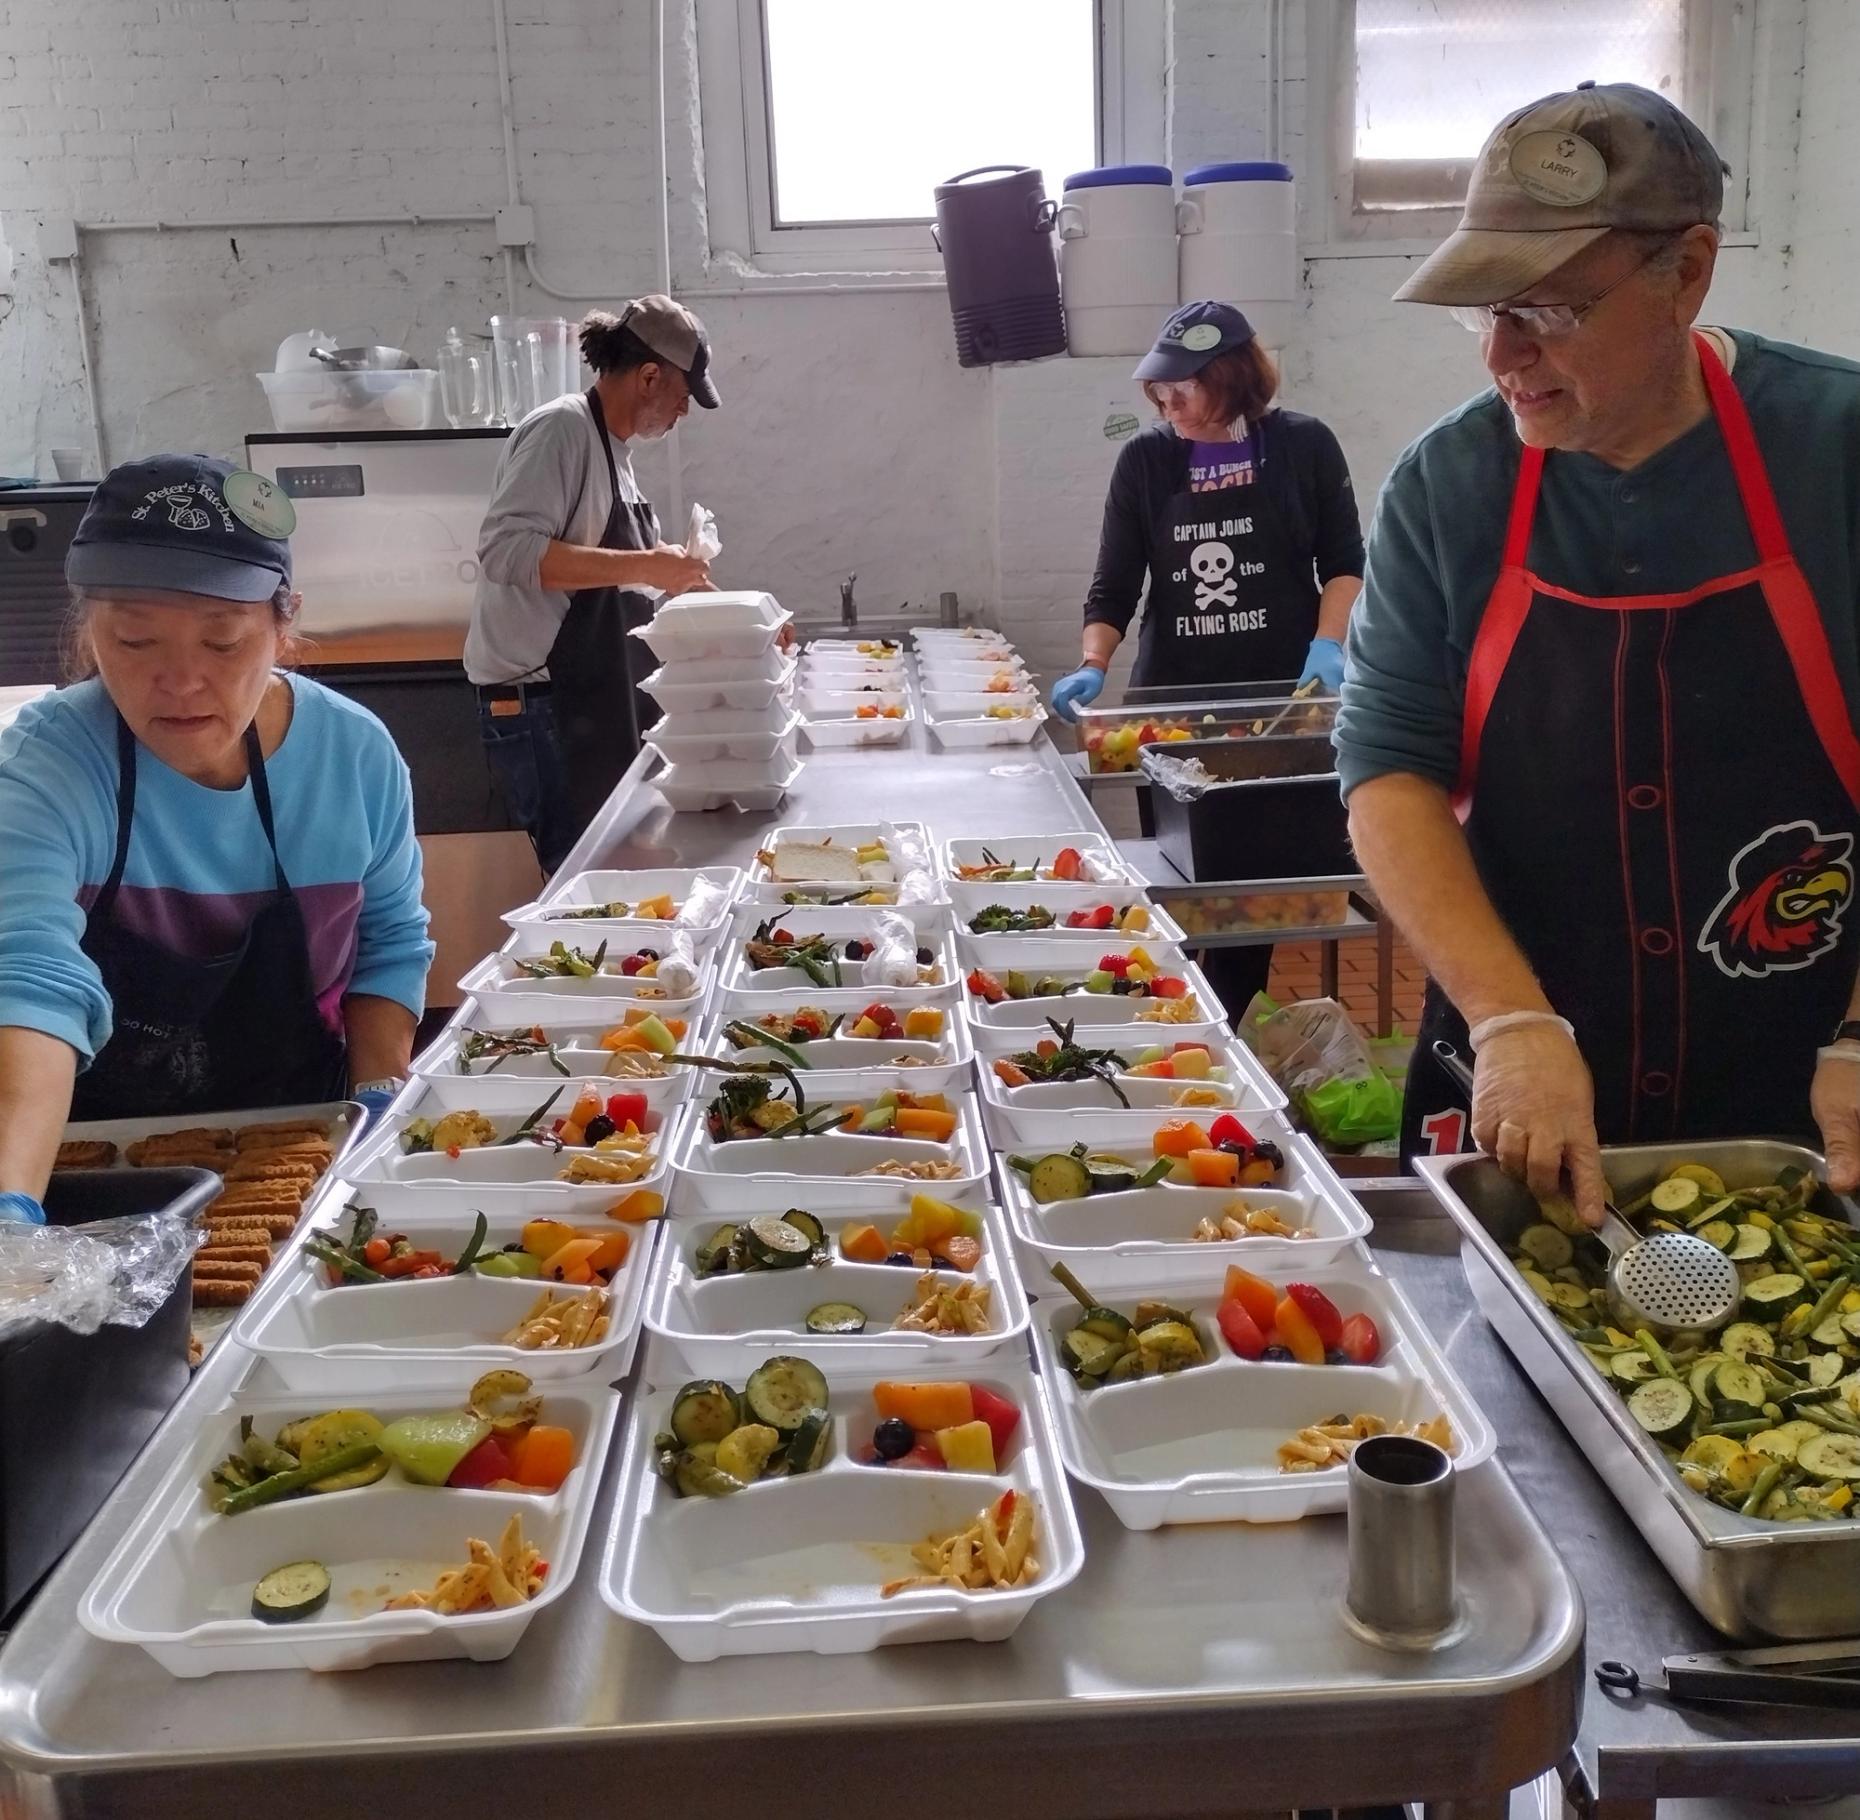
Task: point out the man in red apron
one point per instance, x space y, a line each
1598 730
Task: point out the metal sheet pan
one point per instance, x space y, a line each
1750 1579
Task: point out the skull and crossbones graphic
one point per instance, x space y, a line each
1215 585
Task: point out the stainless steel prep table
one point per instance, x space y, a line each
1148 1687
1630 1752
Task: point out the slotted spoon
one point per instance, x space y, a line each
1668 1281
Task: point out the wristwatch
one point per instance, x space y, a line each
391 1084
1849 1032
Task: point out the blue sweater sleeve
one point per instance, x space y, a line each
1403 689
59 828
393 953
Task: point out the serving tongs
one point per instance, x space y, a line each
1303 692
1789 1674
1667 1282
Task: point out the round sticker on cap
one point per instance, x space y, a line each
258 504
1561 169
1202 335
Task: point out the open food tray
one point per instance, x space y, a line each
846 1066
1059 1113
826 1174
930 638
1143 1237
342 1119
796 1564
952 702
431 1096
820 662
712 1324
839 922
521 1165
775 748
829 731
444 1331
1201 1445
831 693
696 627
965 734
703 789
966 664
1104 865
909 869
678 691
509 997
857 647
180 1581
577 1040
701 899
1070 962
969 900
1752 1579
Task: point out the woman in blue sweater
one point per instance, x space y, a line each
209 883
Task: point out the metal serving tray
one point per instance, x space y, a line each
1751 1579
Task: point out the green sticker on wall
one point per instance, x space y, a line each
1119 425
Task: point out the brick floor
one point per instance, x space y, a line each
1296 974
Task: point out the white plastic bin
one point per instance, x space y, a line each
353 401
1238 227
1117 257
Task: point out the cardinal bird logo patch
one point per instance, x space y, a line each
1789 890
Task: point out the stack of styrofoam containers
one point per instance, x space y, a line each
799 1563
976 689
726 686
855 692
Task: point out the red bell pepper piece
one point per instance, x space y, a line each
627 1108
1228 1131
1000 1415
986 987
1320 1310
1360 1341
1240 1330
1297 1334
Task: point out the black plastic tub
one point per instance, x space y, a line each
1274 811
76 1408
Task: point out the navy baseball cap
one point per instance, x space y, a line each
1193 336
190 524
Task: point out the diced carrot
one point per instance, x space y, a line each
1178 1137
1010 1074
925 1406
1215 1168
863 1244
926 1122
641 1204
543 1458
574 1256
963 1252
1046 1046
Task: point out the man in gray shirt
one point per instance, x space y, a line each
567 549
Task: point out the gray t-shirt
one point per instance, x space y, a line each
1664 527
551 485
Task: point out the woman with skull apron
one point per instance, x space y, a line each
1240 519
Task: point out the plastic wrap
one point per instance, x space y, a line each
121 1271
1186 779
1316 1053
893 959
702 539
678 973
704 904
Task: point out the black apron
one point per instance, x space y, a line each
1232 598
597 710
1668 830
240 1029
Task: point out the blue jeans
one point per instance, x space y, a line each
527 759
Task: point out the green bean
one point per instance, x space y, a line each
1651 1347
1827 1302
1752 1425
1766 1483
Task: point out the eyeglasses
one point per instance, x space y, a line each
1546 321
1174 391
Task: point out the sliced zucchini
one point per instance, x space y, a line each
1570 1298
836 1317
1771 1297
1540 1284
331 1434
1561 1213
704 1411
1678 1196
808 1448
1546 1247
1129 1367
1713 1452
1106 1321
1830 1456
1060 1178
1092 1355
1112 1175
744 1453
298 1590
1724 1208
1742 1338
712 1256
1170 1345
784 1392
1718 1232
1739 1384
770 1243
1662 1407
1850 1324
1825 1368
1707 1181
1750 1245
1781 1442
1147 1314
1698 1378
1829 1333
1630 1367
805 1221
696 1474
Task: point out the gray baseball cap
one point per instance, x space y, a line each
1558 175
673 333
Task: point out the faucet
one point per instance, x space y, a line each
849 608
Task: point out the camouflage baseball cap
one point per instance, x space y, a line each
1558 175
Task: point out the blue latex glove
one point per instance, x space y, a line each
1078 690
376 1100
21 1207
1324 663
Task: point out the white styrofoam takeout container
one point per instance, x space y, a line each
692 752
431 1096
179 1583
721 626
755 789
509 999
841 922
1201 1446
846 1066
577 1044
910 867
978 732
965 704
830 731
346 1341
796 1564
772 717
678 691
825 1174
711 1324
831 698
701 897
1104 865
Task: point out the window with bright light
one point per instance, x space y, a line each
872 103
1433 77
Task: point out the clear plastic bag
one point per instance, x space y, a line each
1186 779
121 1271
893 959
1314 1051
702 539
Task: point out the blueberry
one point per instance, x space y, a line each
926 957
855 950
1277 1355
598 1127
1336 1356
900 1257
1269 1152
893 1438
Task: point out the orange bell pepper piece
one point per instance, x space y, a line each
544 1457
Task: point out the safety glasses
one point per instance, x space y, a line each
1546 321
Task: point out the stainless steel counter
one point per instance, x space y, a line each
1187 1672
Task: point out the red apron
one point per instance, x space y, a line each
1660 794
